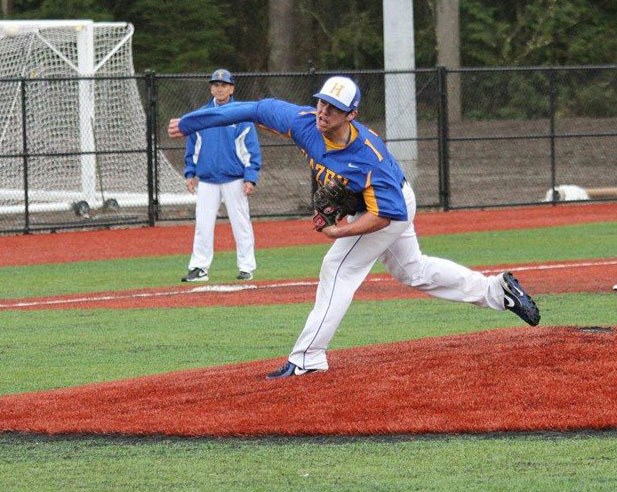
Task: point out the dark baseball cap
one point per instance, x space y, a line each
222 75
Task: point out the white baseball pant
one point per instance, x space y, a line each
349 261
209 198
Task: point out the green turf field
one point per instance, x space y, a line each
57 348
474 249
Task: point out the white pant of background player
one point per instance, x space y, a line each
349 261
209 198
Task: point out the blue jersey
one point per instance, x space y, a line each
365 165
223 154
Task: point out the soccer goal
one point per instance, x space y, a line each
84 125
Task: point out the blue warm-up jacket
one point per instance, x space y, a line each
223 154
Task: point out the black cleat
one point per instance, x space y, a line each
196 275
518 301
288 370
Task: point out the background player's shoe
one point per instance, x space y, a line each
244 275
196 275
289 369
518 301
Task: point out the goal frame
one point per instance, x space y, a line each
86 70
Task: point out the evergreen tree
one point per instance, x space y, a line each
180 36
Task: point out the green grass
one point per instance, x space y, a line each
48 349
524 463
489 248
58 348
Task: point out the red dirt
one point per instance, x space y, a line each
520 379
169 240
596 275
523 379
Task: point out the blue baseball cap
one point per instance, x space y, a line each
341 92
222 75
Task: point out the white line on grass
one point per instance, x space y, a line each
224 288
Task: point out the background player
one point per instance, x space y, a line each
382 229
222 164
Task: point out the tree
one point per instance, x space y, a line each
543 32
248 34
346 35
448 52
196 36
170 36
7 8
178 36
280 35
61 9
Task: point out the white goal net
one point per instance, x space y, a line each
84 131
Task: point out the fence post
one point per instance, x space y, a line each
442 136
24 139
151 147
313 81
551 100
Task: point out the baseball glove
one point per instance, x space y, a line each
332 202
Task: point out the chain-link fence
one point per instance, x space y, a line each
77 152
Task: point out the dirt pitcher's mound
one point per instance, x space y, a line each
524 379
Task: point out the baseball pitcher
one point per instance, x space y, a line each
379 227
